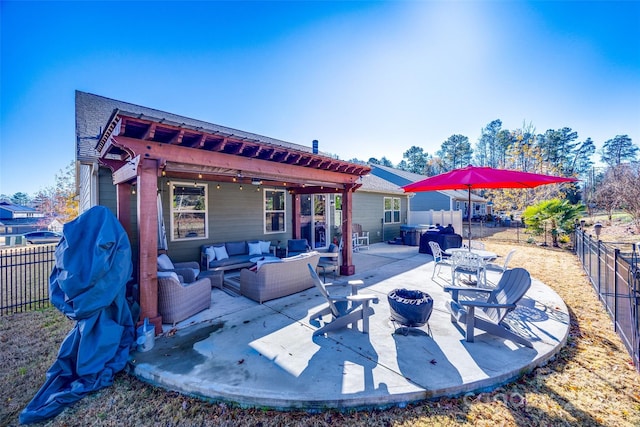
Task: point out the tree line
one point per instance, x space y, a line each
555 152
55 201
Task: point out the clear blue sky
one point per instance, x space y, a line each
367 79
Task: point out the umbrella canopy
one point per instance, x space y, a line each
473 177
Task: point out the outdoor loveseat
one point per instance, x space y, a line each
279 278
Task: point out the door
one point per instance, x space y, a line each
314 220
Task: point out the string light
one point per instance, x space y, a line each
218 186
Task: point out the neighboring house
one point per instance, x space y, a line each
17 219
215 184
448 200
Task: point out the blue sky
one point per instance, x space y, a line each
366 79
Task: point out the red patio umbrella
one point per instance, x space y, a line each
473 177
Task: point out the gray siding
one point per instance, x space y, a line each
368 210
430 200
233 215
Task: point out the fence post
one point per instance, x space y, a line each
599 267
616 254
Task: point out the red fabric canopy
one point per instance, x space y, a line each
473 177
483 177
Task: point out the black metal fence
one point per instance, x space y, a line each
24 277
614 272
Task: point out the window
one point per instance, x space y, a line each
391 210
274 211
188 211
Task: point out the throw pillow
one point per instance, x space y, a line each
255 248
265 246
164 263
210 253
221 252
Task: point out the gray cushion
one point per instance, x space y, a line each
297 245
237 248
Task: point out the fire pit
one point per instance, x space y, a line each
410 308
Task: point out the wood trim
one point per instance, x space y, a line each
249 166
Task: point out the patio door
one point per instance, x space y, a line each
314 220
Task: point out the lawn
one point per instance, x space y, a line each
590 382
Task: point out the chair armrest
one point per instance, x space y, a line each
467 289
329 254
456 289
483 304
186 264
363 297
188 275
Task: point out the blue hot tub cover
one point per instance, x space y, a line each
88 284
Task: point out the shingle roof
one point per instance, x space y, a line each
375 184
94 112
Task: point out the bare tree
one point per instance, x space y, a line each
619 190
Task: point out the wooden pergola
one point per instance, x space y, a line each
139 149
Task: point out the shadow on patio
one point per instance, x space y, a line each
265 355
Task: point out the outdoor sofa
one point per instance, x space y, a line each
278 278
232 255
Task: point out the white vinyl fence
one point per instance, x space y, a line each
432 217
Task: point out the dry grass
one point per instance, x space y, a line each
591 381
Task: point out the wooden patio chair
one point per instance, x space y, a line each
344 309
492 310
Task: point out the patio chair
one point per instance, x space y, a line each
178 300
344 309
297 247
475 244
467 263
500 268
330 260
361 238
439 258
491 311
189 270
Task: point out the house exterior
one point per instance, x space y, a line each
449 200
18 219
209 182
381 207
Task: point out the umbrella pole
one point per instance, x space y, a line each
469 216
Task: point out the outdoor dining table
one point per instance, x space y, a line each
484 254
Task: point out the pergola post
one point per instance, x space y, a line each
123 201
347 268
147 181
296 232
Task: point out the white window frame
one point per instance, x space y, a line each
272 211
173 211
392 210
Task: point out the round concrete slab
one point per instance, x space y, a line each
265 355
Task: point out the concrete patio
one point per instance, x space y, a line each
265 355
